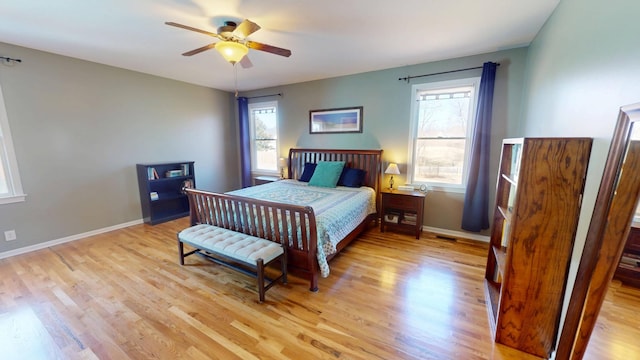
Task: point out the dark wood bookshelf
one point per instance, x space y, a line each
161 195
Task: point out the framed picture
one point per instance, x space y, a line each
332 121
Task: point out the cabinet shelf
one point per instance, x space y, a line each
173 178
492 295
506 213
168 196
534 223
501 257
167 202
509 180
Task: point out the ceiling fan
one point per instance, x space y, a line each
234 45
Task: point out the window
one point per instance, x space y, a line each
264 137
10 186
441 123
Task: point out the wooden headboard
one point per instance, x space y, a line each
368 160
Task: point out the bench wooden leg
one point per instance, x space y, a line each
283 263
260 264
181 251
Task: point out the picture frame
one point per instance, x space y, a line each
335 121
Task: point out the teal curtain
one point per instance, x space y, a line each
475 215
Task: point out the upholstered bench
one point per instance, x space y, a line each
221 245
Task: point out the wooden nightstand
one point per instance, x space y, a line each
628 270
402 210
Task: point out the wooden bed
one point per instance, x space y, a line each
250 216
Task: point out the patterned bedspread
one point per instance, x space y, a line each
338 210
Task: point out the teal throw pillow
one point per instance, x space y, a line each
327 174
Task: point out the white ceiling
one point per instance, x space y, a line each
327 38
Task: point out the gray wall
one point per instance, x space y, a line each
387 104
79 128
583 66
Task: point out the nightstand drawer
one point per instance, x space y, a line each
402 202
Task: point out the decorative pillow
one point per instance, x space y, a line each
327 174
307 172
352 177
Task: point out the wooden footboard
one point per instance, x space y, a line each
282 223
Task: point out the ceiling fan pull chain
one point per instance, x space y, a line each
235 75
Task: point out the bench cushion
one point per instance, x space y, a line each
229 243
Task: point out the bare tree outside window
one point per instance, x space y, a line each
441 139
265 137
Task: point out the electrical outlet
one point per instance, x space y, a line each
10 235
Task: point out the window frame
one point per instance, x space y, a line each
474 82
8 160
252 136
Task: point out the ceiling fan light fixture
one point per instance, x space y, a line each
232 51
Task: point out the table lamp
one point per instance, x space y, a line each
392 169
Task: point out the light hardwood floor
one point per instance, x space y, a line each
123 295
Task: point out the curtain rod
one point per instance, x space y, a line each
9 60
261 96
408 78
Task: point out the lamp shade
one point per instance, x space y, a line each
282 162
392 169
231 51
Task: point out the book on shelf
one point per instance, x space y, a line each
410 218
632 261
504 241
155 174
173 173
153 195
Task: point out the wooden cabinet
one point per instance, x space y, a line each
160 185
538 198
402 210
628 270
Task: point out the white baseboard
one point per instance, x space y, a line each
63 240
459 234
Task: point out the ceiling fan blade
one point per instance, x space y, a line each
246 28
192 29
199 50
246 63
268 48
